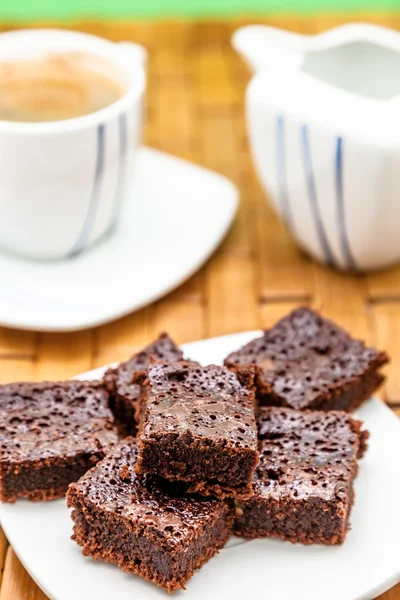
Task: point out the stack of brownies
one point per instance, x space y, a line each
262 447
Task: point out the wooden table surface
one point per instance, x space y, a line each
195 110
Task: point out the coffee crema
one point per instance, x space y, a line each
57 87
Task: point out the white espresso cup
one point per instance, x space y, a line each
62 183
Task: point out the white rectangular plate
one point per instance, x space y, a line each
367 564
175 215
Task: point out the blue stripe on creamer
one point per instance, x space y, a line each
313 198
341 219
283 194
120 188
90 218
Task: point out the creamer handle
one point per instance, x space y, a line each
267 47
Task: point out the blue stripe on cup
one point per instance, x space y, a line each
313 198
90 218
344 240
283 194
120 188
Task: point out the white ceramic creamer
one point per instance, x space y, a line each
323 116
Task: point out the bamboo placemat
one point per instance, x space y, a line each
195 110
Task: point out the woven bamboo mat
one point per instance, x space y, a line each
195 110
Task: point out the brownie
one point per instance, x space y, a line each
143 524
199 427
303 485
308 362
124 391
50 434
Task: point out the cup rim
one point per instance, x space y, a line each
101 47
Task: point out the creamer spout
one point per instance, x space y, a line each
266 47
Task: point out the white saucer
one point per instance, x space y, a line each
367 564
174 218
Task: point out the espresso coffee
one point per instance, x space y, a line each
57 87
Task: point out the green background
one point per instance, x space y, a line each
66 9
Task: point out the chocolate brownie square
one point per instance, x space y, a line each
145 525
303 485
199 427
124 382
306 361
50 434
